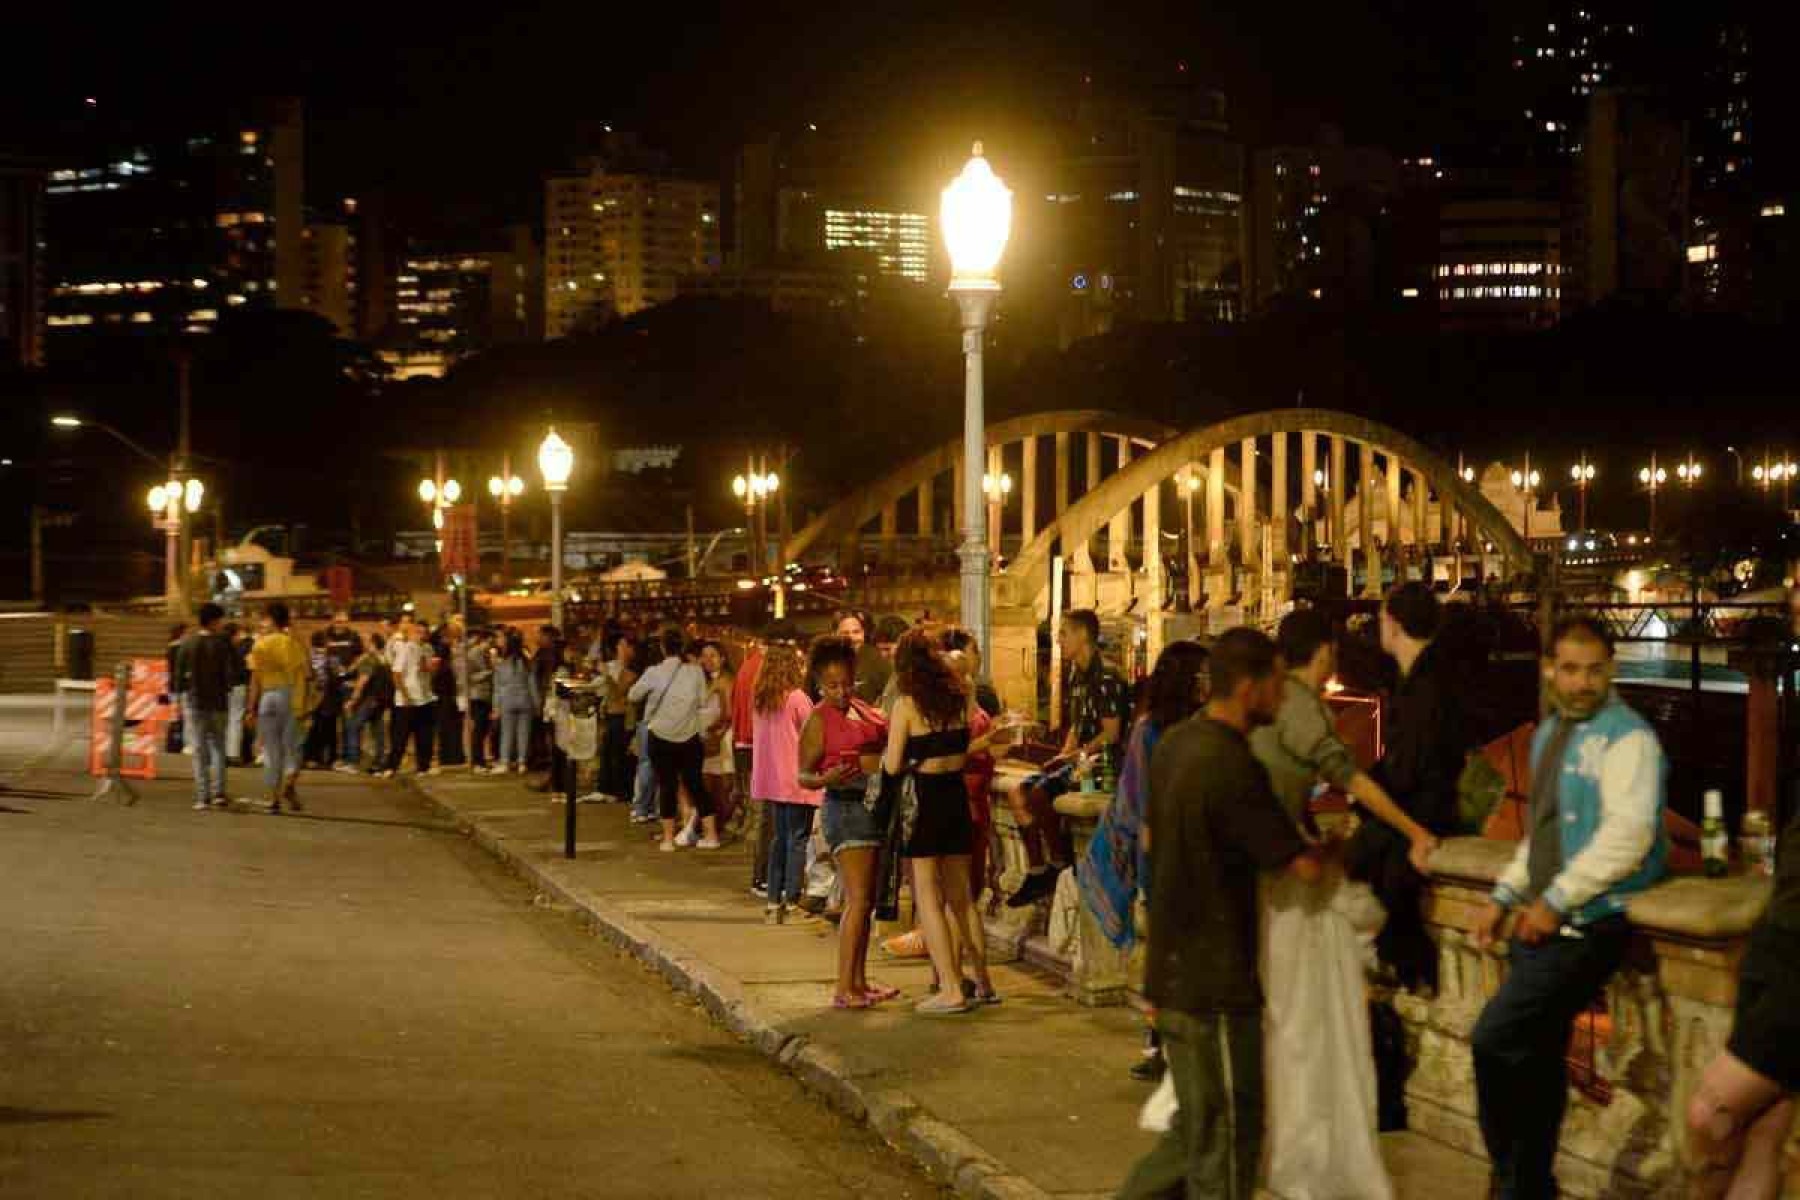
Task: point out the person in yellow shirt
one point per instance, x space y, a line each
279 668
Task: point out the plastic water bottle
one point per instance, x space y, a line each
1715 843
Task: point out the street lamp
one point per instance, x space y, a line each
1583 474
1526 482
1190 484
556 461
1768 474
1322 483
977 217
1689 472
997 488
754 487
505 488
1652 477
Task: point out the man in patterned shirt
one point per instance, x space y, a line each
1096 709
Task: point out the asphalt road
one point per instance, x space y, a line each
354 1002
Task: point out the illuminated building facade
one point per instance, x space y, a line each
453 302
1574 50
1143 219
810 203
619 239
1500 264
1315 228
163 234
21 264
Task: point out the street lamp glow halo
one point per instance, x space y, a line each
515 486
495 487
556 459
66 422
452 491
158 499
427 490
976 214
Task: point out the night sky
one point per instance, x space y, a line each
458 116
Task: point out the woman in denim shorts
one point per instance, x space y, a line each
839 745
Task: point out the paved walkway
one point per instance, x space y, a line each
1027 1099
355 1002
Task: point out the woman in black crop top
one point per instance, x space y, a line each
928 737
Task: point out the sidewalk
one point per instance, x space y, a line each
1025 1100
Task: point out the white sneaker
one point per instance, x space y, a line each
592 798
666 847
707 844
435 771
200 806
687 838
344 768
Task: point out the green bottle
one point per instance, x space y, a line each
1715 843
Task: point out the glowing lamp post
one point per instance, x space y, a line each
170 504
754 487
1767 474
556 461
1652 477
977 218
1190 483
997 489
1583 474
505 488
1526 483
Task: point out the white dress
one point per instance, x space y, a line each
1322 1141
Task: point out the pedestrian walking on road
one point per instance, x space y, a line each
205 665
782 711
516 695
615 750
415 716
371 697
674 691
840 746
327 701
1215 827
279 674
1595 838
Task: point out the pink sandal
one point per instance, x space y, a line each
851 1002
878 992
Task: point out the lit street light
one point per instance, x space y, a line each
1583 474
754 487
977 219
1767 474
998 490
1190 484
1526 482
169 502
1652 477
505 488
556 461
1689 472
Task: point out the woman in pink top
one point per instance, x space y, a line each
781 710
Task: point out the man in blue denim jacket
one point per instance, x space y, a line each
1594 837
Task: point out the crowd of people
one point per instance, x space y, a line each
863 761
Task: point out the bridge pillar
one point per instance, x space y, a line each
890 534
1118 530
927 511
996 513
1013 663
1279 509
1061 504
1340 536
1394 539
1365 521
1028 493
1080 557
1153 555
1248 546
1419 491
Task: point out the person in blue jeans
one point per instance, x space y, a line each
516 696
369 703
205 665
1594 838
279 670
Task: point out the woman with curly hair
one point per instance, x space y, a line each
928 738
781 712
840 745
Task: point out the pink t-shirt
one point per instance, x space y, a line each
775 752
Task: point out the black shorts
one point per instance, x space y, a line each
1765 1033
943 826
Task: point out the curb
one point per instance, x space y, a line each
946 1155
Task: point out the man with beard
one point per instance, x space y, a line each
1594 838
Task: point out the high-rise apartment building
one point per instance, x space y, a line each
798 202
1573 50
619 235
451 302
164 232
1315 231
327 283
1142 216
21 263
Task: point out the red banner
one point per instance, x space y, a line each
460 556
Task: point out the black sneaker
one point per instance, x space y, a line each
1036 886
1150 1068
